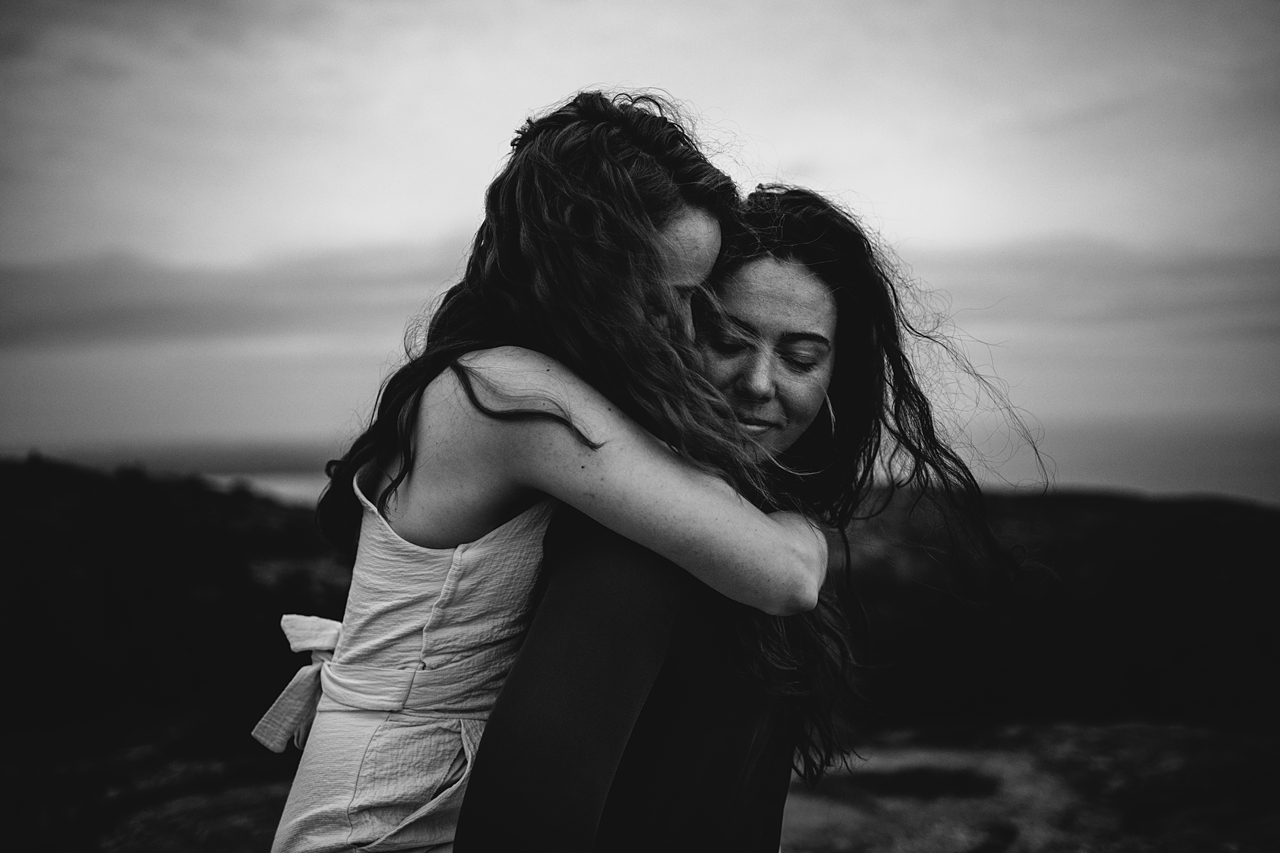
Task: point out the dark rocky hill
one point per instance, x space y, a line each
144 620
144 612
1155 609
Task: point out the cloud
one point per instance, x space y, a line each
125 299
158 159
116 350
1088 282
225 132
1083 329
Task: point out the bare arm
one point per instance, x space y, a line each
631 482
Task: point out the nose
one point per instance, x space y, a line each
755 382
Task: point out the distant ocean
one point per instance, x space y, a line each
299 487
1145 457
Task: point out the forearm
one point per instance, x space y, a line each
559 728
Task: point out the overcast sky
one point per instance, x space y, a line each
217 217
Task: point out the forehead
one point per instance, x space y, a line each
781 296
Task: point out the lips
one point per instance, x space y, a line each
756 426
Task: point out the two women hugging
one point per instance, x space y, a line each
601 595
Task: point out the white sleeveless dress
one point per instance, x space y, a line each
427 640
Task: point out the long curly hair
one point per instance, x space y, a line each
566 262
877 434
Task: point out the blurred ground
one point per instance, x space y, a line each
1119 788
1117 704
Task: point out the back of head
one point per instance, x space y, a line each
568 250
567 262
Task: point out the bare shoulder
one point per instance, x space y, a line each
511 378
509 358
516 369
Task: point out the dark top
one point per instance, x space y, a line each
626 723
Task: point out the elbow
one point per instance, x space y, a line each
793 605
802 600
799 596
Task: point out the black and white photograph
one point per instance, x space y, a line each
834 426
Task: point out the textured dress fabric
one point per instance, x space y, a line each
427 640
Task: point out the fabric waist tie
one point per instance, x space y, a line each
464 688
291 715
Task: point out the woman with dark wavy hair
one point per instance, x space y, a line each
558 371
672 717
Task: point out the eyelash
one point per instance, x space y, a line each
732 347
801 365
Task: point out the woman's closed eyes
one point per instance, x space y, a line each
773 354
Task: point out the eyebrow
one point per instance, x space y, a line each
806 337
788 338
